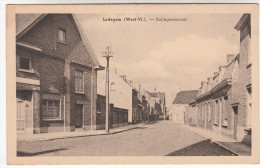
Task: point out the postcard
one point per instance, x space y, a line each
132 84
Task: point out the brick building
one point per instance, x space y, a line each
224 100
56 74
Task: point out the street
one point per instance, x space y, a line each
159 139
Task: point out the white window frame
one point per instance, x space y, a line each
83 78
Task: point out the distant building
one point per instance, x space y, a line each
157 99
181 101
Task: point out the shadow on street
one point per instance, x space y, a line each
202 148
19 153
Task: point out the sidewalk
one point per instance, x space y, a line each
63 135
226 142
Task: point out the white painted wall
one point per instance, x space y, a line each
176 112
121 93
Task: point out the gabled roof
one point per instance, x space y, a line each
242 21
185 97
24 22
160 95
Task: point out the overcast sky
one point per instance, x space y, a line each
174 56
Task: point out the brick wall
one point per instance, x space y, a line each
101 113
22 52
55 66
45 36
239 93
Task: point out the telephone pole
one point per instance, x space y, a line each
107 53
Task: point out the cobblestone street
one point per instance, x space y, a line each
159 139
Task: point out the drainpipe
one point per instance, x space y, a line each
64 111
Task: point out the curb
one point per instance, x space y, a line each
78 136
223 146
219 144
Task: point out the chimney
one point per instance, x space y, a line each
221 72
230 57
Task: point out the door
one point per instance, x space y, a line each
20 118
79 116
235 121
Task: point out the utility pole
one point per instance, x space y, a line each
106 54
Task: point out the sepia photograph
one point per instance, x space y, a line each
130 83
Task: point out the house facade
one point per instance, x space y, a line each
181 101
224 101
121 93
56 74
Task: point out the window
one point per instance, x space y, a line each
209 112
224 112
51 109
216 112
98 107
203 112
62 35
25 63
79 81
112 86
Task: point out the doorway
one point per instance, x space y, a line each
235 120
79 116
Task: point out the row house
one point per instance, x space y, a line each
224 101
140 105
56 74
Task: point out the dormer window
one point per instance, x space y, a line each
62 35
25 63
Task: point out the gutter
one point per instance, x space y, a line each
223 83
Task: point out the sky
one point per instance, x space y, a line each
171 56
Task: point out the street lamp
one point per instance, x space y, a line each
106 54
